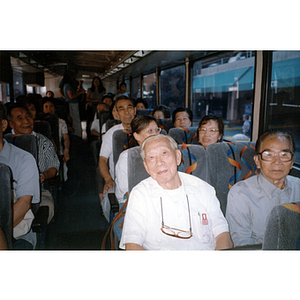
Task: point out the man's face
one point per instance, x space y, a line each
126 112
275 171
22 121
182 119
161 162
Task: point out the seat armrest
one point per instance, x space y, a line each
40 221
114 203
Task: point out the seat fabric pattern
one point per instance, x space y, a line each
282 230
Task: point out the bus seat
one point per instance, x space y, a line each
43 127
282 231
52 119
184 135
147 112
120 143
194 161
28 142
6 203
166 124
229 163
111 123
103 117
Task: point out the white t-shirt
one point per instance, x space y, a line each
143 218
96 125
106 147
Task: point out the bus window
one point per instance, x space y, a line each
172 87
223 86
135 88
149 89
284 101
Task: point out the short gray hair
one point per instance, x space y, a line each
157 136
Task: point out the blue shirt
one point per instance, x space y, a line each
250 201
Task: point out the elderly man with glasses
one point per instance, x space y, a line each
250 201
172 210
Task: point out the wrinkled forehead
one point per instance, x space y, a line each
275 142
159 143
19 111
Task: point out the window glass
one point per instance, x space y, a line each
18 84
135 88
284 102
223 86
4 93
172 87
149 89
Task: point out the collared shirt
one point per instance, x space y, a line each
250 201
143 218
25 175
47 157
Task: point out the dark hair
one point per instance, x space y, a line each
122 97
140 100
30 99
122 83
274 132
180 109
67 77
139 123
164 109
101 87
51 93
48 99
108 96
3 115
219 120
16 105
110 115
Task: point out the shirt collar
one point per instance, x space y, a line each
156 189
270 189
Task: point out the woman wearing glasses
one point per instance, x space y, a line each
210 130
171 210
250 201
142 126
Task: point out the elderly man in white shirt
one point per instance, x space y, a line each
171 210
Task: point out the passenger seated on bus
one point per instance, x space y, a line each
31 104
172 210
108 99
21 122
126 111
50 94
141 104
210 130
250 201
26 187
182 117
161 112
95 127
122 91
49 108
142 126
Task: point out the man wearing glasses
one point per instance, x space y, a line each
172 210
250 201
